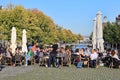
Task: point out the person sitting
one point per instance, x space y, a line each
93 58
79 62
59 56
107 58
14 56
115 59
1 66
74 56
67 57
28 56
9 57
100 57
115 55
84 57
45 57
37 54
87 52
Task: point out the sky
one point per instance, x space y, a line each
76 15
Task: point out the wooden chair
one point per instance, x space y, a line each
18 60
115 63
97 63
67 60
7 61
74 59
43 61
32 60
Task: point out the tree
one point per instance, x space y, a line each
111 33
90 37
40 27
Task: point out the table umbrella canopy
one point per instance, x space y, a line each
13 40
24 41
94 35
100 40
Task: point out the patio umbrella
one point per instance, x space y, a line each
100 40
94 34
13 40
24 41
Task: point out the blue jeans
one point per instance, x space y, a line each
59 61
52 60
27 59
1 66
93 63
79 64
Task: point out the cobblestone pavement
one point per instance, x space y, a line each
13 71
35 72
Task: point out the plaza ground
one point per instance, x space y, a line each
34 72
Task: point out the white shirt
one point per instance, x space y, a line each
87 53
104 54
77 53
116 56
93 56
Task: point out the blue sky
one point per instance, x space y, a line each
76 15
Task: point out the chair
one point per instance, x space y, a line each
97 63
43 61
32 60
18 60
93 63
7 61
67 60
86 62
114 63
109 62
74 59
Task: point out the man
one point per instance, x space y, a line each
53 54
93 58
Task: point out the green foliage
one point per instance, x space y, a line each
90 37
111 33
40 28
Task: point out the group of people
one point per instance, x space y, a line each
7 57
54 56
93 58
50 56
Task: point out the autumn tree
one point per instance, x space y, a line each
40 27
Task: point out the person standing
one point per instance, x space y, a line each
53 53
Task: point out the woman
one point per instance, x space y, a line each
79 62
115 59
28 56
45 57
84 57
9 57
77 52
67 57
